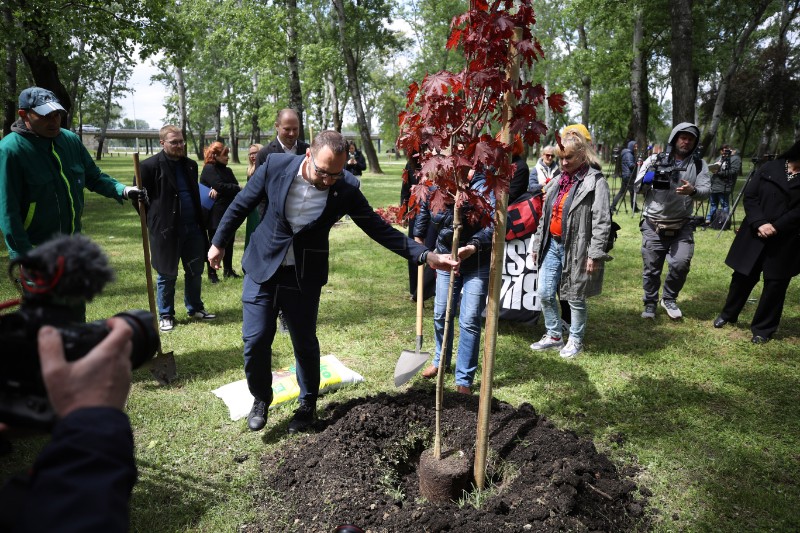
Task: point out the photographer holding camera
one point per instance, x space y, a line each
671 181
82 480
722 182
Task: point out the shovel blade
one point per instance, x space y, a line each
409 363
163 368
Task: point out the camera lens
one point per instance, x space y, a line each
145 337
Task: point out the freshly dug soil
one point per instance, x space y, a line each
361 468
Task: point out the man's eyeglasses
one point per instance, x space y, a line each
176 143
325 175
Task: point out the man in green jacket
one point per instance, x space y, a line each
43 171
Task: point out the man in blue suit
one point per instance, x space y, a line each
286 262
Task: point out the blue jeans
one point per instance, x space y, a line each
475 285
717 199
192 246
260 305
549 280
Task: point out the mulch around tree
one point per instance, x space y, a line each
361 468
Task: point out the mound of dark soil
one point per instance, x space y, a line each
361 468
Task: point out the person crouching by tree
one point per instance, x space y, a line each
569 243
470 286
767 243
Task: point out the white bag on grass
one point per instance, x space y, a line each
333 374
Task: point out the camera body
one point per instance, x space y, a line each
665 172
23 396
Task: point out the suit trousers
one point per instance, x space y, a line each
260 305
770 305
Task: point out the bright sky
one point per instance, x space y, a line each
146 100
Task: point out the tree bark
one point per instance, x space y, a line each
586 79
733 66
292 62
10 103
355 92
682 72
640 103
107 107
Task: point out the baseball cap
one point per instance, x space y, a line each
40 101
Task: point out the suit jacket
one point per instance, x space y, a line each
163 215
273 235
275 148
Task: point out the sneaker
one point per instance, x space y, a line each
572 349
672 309
166 323
202 314
304 417
564 328
649 310
257 418
547 342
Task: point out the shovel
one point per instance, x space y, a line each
163 365
411 361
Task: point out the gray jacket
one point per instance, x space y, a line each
585 229
666 205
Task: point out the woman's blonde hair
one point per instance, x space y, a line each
579 145
251 167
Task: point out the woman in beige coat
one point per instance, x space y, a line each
570 242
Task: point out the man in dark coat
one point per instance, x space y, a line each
286 262
766 243
287 128
175 224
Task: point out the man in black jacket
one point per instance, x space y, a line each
287 129
286 262
175 224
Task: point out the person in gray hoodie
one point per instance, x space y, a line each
670 182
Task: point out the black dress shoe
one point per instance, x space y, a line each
304 417
257 418
758 339
212 276
231 274
719 322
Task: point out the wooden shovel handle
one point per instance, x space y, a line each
146 245
420 297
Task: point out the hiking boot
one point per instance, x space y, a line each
463 389
304 417
202 314
430 372
649 310
166 323
672 308
547 343
257 418
571 350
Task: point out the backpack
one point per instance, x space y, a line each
523 215
721 220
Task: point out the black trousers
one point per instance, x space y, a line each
770 305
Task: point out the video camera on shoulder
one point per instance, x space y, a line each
666 171
54 279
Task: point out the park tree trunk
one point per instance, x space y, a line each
779 76
586 79
10 68
640 103
355 92
724 83
292 45
112 76
180 84
682 72
254 107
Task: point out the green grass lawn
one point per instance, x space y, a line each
710 420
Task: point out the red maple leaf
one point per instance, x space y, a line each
556 102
